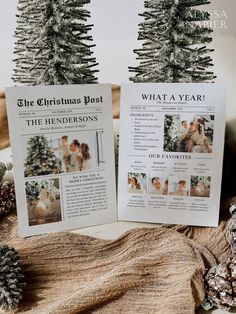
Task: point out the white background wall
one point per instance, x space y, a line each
115 34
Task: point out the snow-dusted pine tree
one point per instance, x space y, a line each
174 43
27 20
52 43
41 159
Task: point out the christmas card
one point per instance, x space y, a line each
171 153
62 148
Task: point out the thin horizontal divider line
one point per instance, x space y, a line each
174 112
174 105
85 108
137 155
62 131
58 115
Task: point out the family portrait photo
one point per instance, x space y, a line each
179 185
200 186
63 153
43 201
158 185
188 133
137 183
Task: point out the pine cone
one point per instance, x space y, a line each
221 284
231 229
3 170
11 278
7 198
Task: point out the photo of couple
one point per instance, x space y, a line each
75 156
137 183
188 134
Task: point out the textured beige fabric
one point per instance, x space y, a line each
158 270
4 135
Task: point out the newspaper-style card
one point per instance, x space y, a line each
171 152
63 155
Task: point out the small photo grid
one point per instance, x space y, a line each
179 185
137 183
158 185
43 201
188 133
200 186
63 153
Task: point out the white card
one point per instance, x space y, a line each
63 155
171 152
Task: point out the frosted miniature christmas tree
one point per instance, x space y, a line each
41 159
27 20
174 43
52 43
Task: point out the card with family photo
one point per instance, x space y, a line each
62 147
171 147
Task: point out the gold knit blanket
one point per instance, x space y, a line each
158 270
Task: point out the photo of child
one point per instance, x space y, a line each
188 133
200 186
137 183
158 186
43 201
54 154
64 149
179 186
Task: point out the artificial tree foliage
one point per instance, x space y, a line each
174 43
53 45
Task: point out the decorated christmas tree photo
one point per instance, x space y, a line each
53 45
41 160
171 138
33 188
175 43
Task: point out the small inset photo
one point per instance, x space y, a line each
43 201
200 186
179 185
158 185
137 183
